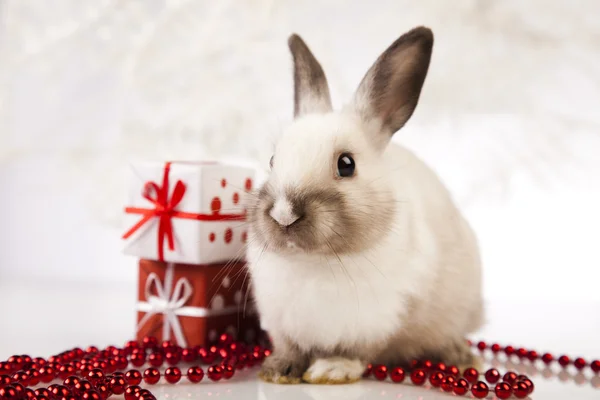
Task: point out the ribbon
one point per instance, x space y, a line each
165 210
172 304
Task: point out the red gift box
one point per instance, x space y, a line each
192 304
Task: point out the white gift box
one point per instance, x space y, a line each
187 212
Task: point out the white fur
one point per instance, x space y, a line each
361 299
335 369
282 212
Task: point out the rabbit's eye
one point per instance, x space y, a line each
271 161
346 165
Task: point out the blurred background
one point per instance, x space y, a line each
509 118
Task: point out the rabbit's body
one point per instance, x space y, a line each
371 263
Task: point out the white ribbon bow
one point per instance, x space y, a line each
172 304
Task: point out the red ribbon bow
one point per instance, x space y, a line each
165 210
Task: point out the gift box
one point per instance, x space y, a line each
193 304
187 212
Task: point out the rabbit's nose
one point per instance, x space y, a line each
283 213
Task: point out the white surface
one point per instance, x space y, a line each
45 317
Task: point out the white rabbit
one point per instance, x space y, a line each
357 253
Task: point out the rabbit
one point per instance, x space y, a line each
357 253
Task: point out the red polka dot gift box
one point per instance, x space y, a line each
187 212
191 305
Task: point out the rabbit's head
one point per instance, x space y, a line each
328 191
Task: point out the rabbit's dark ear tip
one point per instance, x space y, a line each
422 32
294 40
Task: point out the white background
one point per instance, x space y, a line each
509 117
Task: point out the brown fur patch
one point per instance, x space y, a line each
330 221
391 88
311 91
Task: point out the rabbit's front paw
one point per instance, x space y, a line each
334 370
283 369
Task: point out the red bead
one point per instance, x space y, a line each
71 381
503 390
137 359
397 375
492 375
595 365
461 387
149 342
21 377
130 392
172 374
471 375
195 374
441 367
9 393
29 394
564 360
418 377
436 378
453 370
509 350
480 390
65 371
224 353
132 345
427 365
215 373
547 358
529 384
521 352
206 356
580 363
91 350
42 392
59 391
104 390
96 375
82 386
155 359
189 355
121 362
144 392
509 377
532 355
91 395
368 371
33 377
117 385
380 372
228 371
133 377
496 348
481 346
151 375
172 357
520 390
167 345
19 388
5 380
448 383
225 338
17 361
414 364
6 368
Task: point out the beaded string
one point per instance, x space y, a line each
94 374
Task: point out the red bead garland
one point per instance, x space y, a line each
92 374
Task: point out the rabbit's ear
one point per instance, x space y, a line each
390 90
311 92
